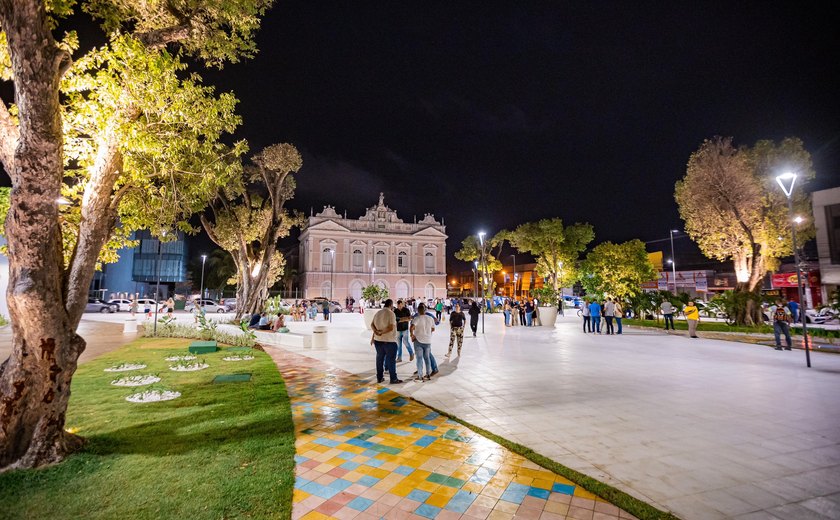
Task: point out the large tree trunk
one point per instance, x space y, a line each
35 379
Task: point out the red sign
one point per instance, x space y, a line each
789 279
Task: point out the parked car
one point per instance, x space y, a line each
122 304
146 303
209 306
229 304
825 316
334 305
95 305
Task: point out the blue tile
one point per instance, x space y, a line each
326 442
360 443
563 488
346 455
313 488
423 426
427 511
349 465
340 484
300 459
360 503
425 440
395 431
369 453
419 495
374 462
300 482
539 493
367 481
382 391
431 415
515 493
404 470
460 502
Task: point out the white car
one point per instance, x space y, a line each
122 304
825 316
146 303
209 306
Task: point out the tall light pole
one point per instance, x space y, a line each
514 275
786 181
332 270
560 274
201 293
673 260
483 280
475 281
157 287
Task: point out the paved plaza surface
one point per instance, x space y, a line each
365 452
703 428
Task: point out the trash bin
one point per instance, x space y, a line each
319 336
130 326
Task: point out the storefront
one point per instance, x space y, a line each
786 284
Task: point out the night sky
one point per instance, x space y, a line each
493 114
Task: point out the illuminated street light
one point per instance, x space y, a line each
787 181
201 294
672 262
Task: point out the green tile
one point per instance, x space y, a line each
392 412
386 449
453 482
437 478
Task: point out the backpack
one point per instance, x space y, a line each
780 314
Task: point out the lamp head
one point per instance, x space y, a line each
798 219
203 258
786 182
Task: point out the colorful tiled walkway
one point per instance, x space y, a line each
364 452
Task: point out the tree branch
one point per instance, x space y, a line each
160 38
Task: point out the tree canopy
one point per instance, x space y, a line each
616 270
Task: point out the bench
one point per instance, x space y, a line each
203 347
285 339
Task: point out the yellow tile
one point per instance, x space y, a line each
438 500
473 487
542 484
446 491
378 473
352 476
402 489
428 486
314 515
299 495
525 481
324 467
582 493
561 480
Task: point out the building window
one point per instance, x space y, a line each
402 261
832 224
430 262
358 260
326 259
380 261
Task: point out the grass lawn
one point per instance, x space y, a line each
218 451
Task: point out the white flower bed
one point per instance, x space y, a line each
188 357
238 358
152 396
125 367
137 380
188 367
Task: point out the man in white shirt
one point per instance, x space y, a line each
384 328
422 327
668 312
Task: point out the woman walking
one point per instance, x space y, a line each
474 312
456 329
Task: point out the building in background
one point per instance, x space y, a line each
339 256
826 204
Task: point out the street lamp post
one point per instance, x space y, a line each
673 260
475 281
201 293
483 280
560 274
157 287
514 275
783 181
332 270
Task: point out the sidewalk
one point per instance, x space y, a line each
365 452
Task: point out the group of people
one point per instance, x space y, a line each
305 310
611 310
393 328
524 312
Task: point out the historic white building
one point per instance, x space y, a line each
340 256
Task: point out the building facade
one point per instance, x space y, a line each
826 204
340 256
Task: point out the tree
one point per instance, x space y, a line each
555 247
124 132
472 250
617 270
734 210
248 219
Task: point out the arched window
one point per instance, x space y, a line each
430 291
326 290
327 257
402 261
430 262
380 261
358 260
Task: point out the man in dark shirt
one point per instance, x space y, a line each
456 329
403 318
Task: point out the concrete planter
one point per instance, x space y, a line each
548 316
369 314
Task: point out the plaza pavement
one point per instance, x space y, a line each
704 428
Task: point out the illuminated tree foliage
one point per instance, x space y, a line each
124 131
471 250
616 270
555 247
249 217
734 210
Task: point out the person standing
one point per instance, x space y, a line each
133 305
403 314
609 314
326 309
692 317
668 309
529 313
781 325
619 313
595 315
384 328
587 318
794 311
507 313
521 306
438 310
422 327
456 329
535 318
474 313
